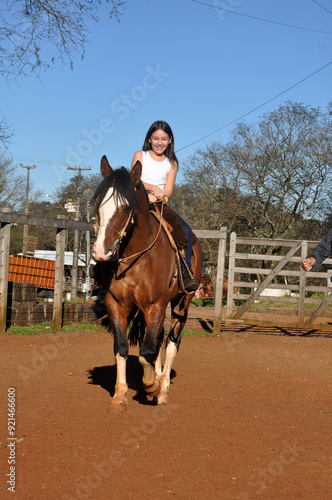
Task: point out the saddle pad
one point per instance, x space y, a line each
178 232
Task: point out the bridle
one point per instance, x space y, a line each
123 232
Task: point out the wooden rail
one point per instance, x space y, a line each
62 224
296 250
221 235
275 265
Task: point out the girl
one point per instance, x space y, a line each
159 169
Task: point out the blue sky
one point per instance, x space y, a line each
197 67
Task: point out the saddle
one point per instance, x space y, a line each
172 226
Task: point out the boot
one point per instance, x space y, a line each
190 284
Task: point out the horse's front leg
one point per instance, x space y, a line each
149 355
118 402
172 347
173 341
158 363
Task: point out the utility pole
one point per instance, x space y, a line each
26 209
74 272
87 251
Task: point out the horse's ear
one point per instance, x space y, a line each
105 167
136 173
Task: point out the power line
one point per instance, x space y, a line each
257 107
40 160
262 19
236 119
48 162
322 6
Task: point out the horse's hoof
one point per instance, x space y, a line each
162 399
154 389
117 407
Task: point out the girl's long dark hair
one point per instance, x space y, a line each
161 125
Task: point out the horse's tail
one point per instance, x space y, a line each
137 328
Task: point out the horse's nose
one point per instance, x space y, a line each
98 254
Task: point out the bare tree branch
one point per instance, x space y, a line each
278 173
29 27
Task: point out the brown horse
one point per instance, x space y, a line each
141 278
206 287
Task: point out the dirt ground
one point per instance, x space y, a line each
249 416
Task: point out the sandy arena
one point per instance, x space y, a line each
249 416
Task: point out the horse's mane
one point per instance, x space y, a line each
124 190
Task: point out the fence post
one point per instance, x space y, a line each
219 281
58 277
4 267
300 314
231 267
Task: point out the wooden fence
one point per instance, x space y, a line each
61 224
281 260
280 272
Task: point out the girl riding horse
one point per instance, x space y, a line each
159 169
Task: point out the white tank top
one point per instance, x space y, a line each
154 172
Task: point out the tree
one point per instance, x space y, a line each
5 134
27 27
12 185
268 177
46 235
68 190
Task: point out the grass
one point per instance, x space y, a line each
264 304
79 300
41 328
203 302
187 333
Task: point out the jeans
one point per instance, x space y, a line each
189 235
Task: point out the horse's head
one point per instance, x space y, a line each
116 203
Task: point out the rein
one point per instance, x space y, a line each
138 254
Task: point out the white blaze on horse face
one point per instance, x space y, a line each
106 211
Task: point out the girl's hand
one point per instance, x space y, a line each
158 193
152 197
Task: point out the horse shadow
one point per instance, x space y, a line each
105 377
207 325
